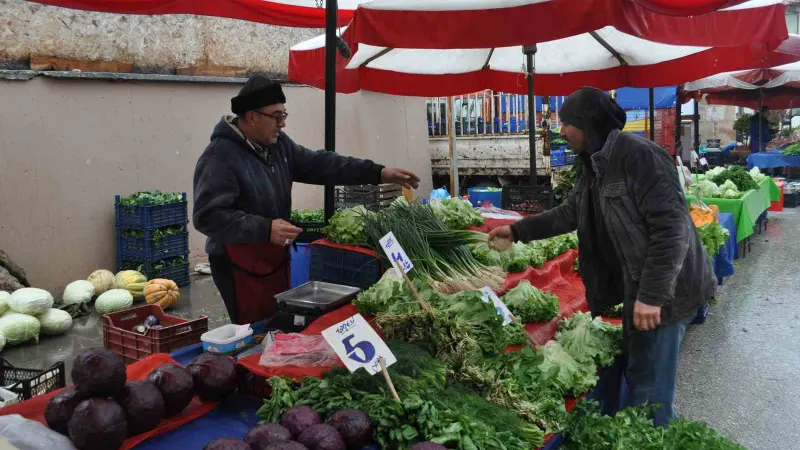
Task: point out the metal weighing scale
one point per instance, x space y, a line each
311 300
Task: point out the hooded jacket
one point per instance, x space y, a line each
637 240
239 187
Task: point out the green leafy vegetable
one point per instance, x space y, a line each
632 428
740 177
568 374
587 339
713 236
151 198
456 214
529 304
156 236
792 149
347 226
305 216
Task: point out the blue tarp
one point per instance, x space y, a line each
771 160
639 98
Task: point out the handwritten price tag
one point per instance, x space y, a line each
395 252
358 345
502 309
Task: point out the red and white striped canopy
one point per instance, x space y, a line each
443 24
289 13
643 18
606 58
776 87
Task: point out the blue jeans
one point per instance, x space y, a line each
653 366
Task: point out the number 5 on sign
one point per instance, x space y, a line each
396 253
358 345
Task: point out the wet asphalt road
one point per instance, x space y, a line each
740 371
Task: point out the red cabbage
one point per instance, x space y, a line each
261 436
98 424
298 418
322 437
354 426
214 376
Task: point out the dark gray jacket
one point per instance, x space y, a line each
647 218
238 189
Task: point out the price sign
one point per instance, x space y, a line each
358 345
502 309
396 253
703 161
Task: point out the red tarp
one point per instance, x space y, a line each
304 14
34 408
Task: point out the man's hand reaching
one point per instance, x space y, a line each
402 177
283 233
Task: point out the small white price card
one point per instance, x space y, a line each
396 253
358 345
502 309
703 161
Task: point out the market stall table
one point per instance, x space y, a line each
746 210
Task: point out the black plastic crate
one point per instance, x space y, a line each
333 265
791 200
149 248
156 216
311 232
28 383
179 273
570 158
530 199
370 197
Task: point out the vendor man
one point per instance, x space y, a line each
243 197
637 242
761 131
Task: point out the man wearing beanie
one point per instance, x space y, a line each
638 244
243 197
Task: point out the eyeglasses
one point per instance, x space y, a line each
279 117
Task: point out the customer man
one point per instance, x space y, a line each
243 197
637 242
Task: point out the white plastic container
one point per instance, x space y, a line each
8 398
227 338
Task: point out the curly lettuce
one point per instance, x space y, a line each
529 304
590 340
565 372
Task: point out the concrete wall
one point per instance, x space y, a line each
152 43
67 146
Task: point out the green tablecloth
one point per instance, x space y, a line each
747 209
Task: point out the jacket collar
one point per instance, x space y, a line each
601 158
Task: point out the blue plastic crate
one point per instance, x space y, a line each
557 158
150 249
178 273
333 265
151 216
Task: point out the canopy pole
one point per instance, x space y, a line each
697 126
652 115
678 126
530 52
451 134
330 94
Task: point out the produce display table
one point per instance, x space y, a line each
723 260
746 210
771 160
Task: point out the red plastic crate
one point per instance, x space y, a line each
132 346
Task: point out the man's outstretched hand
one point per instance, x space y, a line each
402 177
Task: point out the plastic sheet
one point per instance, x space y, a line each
295 349
34 408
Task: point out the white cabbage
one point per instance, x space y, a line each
113 301
4 296
2 342
31 301
55 321
18 328
80 291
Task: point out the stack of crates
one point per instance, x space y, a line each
154 240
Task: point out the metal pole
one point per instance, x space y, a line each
652 116
697 127
678 126
530 51
330 94
451 134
